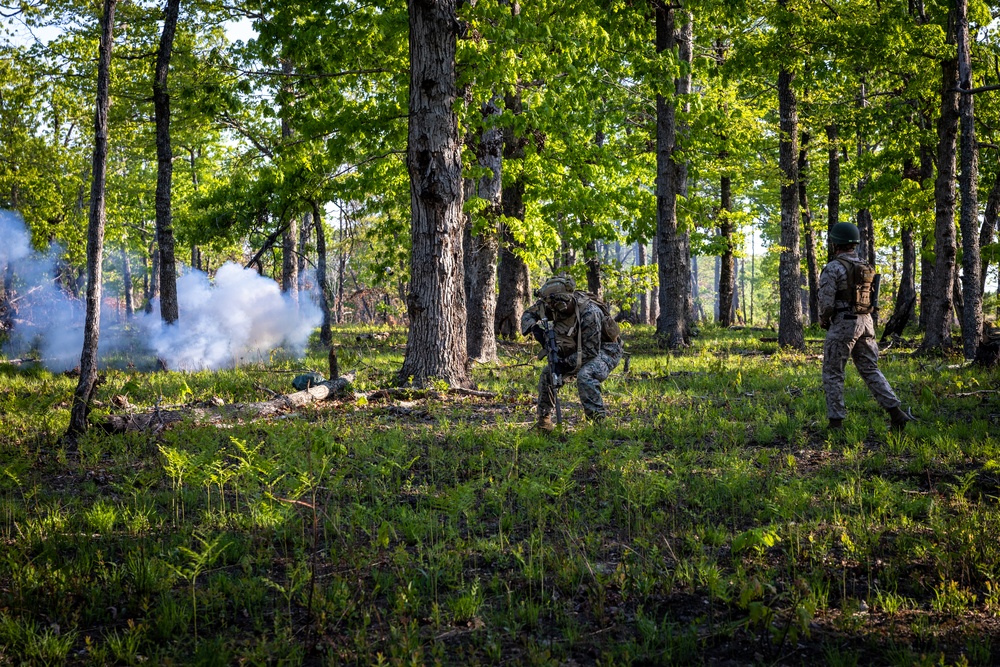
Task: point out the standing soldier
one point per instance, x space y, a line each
586 338
846 300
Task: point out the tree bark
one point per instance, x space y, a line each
833 191
926 240
939 305
812 265
322 281
643 297
972 296
513 281
906 293
436 343
169 311
482 246
290 235
987 231
671 176
95 231
727 264
790 332
127 284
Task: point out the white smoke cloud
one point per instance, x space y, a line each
239 317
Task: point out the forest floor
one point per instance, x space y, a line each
712 520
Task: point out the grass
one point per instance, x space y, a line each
713 520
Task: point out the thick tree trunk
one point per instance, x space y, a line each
939 305
514 283
833 190
165 169
436 344
322 282
592 260
95 231
812 265
727 264
127 284
972 296
671 176
289 237
482 246
654 294
790 332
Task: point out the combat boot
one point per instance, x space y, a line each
544 424
836 424
899 418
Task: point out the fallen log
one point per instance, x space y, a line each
158 419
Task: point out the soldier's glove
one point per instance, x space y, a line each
538 332
566 366
825 323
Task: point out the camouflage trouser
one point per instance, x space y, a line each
588 382
854 339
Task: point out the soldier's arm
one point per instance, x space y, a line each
530 318
827 295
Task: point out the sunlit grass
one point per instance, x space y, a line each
713 516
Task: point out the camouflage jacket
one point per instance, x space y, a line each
567 332
831 281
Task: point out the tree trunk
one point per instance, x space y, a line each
812 266
127 284
939 305
926 240
988 229
513 281
906 292
643 297
482 247
790 333
592 260
289 259
727 264
833 193
95 231
322 282
436 344
671 175
165 169
972 296
302 260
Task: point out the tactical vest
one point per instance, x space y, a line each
858 293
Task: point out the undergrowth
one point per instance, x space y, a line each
712 520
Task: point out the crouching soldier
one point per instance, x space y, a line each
846 300
587 342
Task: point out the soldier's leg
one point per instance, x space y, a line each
546 394
588 383
865 355
836 352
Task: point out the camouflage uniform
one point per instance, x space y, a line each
849 336
597 359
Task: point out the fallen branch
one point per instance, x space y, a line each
160 418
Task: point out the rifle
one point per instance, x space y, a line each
876 285
552 351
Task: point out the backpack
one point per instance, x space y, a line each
610 331
860 278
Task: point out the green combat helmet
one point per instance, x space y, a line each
844 233
556 285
